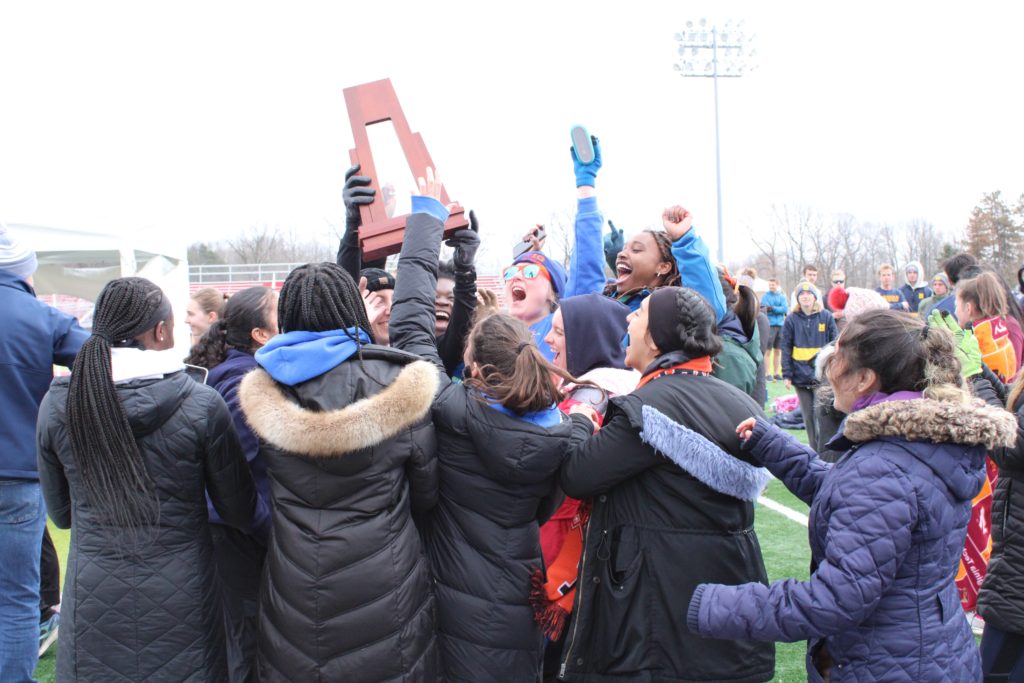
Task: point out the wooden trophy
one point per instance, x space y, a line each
393 161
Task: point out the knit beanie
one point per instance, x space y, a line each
861 301
807 287
944 279
14 258
555 269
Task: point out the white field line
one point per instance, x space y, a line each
789 513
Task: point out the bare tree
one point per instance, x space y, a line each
256 244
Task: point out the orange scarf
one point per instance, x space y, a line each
702 364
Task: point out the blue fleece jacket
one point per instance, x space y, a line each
33 338
893 297
775 307
299 356
697 272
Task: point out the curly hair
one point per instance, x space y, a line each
245 311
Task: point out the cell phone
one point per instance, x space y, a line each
582 143
197 373
524 246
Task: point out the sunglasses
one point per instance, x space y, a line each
838 282
529 270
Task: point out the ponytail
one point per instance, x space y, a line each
212 348
245 311
512 370
114 476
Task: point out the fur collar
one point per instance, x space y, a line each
967 423
364 423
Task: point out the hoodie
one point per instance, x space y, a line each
737 363
594 327
918 292
298 356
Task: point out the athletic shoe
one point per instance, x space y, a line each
48 633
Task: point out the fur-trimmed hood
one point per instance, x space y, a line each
366 422
968 423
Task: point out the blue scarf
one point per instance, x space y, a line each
548 417
295 357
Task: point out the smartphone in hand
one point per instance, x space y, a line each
582 144
525 245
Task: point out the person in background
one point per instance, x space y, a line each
381 283
773 303
894 297
940 290
915 290
746 281
249 321
808 274
33 338
952 267
807 330
887 521
739 363
831 299
981 306
204 307
128 447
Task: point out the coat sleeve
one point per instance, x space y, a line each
451 346
612 455
412 309
68 337
787 348
697 272
799 467
421 469
586 266
229 481
833 329
350 257
1012 458
874 511
51 472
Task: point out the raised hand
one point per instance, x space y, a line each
965 343
677 221
431 185
356 193
586 174
465 242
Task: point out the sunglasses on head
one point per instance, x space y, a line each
529 270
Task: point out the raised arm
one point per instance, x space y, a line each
412 311
869 534
586 266
452 344
356 193
693 259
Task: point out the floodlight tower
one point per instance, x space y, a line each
709 52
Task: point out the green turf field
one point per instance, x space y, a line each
783 542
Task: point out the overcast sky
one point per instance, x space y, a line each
200 119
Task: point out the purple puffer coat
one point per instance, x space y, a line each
887 525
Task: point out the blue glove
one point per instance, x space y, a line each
586 174
613 243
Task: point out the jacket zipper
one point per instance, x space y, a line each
579 599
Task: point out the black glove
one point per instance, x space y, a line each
465 242
355 194
613 244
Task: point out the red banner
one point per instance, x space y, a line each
978 548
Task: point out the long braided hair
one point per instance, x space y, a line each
114 476
318 297
664 244
246 310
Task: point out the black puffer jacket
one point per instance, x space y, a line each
673 507
149 612
498 484
346 592
1001 600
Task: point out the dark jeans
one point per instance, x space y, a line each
239 564
49 578
1002 656
806 396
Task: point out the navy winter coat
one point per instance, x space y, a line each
887 525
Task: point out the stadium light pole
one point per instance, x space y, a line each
699 48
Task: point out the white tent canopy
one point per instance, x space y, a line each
78 263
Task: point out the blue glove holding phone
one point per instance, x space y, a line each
586 174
